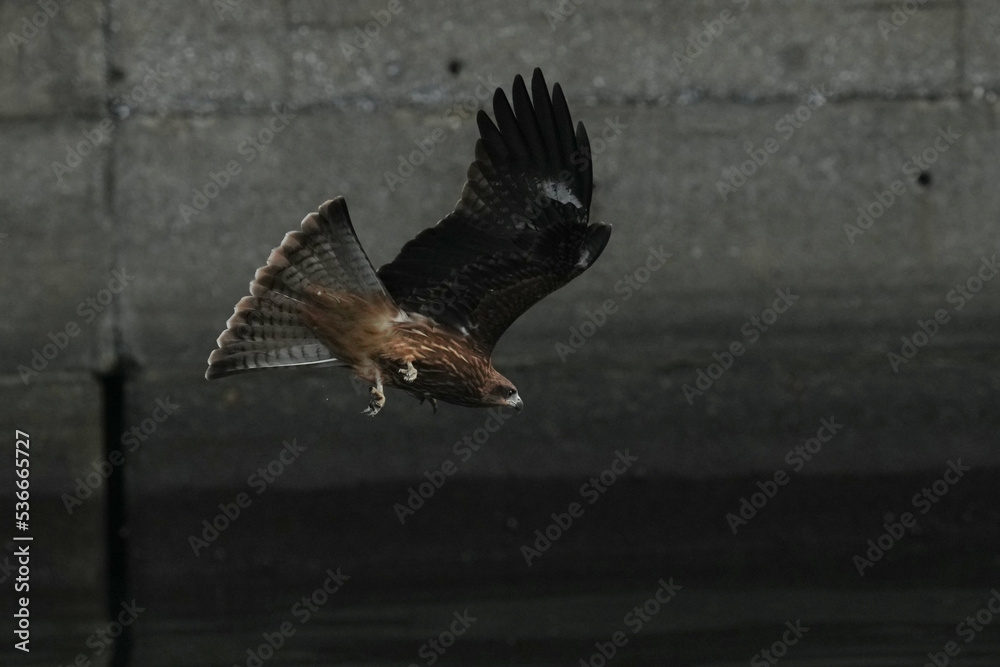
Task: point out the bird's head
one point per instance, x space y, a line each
502 392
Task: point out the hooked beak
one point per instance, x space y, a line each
515 402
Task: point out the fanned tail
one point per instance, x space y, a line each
267 329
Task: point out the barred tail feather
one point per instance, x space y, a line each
267 329
265 332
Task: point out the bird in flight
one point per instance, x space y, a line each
427 321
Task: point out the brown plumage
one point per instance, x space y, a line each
427 322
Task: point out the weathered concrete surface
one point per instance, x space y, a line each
794 223
981 47
771 401
53 59
67 558
164 97
231 54
56 248
638 531
700 626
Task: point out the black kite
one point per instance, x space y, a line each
427 322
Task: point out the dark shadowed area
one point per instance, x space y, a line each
761 429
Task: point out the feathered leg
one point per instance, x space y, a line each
378 397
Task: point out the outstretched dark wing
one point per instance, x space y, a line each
520 230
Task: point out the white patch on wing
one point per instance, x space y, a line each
560 193
584 260
404 316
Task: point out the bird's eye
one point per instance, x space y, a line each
511 392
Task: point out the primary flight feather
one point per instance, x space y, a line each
427 322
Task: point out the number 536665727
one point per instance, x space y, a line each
21 453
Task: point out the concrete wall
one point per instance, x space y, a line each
117 115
